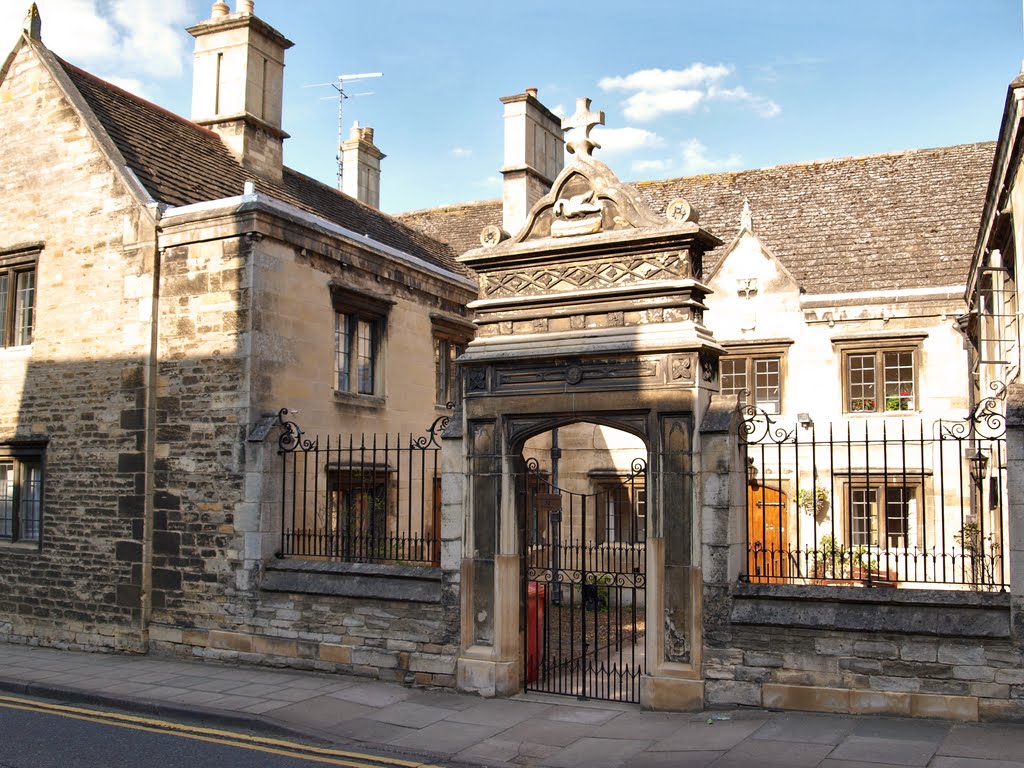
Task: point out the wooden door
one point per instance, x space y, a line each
767 536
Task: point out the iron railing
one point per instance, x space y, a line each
873 502
361 498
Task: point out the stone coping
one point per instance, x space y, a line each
403 583
936 612
879 593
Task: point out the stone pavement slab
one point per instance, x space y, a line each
870 749
708 735
410 715
991 742
785 754
597 753
972 762
673 759
447 737
805 727
499 712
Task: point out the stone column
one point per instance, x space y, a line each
674 641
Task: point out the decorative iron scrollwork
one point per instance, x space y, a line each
756 426
291 438
434 430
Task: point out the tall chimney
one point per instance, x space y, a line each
238 84
534 156
360 162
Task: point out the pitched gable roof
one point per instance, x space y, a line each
880 222
180 163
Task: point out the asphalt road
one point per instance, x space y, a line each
41 734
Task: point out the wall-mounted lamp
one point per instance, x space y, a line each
805 420
978 464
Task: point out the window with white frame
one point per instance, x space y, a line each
758 375
880 380
881 515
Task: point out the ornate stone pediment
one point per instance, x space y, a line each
587 198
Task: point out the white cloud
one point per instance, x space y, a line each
764 107
121 37
130 84
697 160
461 152
647 105
489 182
662 91
666 79
559 109
625 139
652 166
151 34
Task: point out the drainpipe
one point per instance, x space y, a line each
151 375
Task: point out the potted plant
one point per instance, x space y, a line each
814 502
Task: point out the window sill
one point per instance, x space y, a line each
14 351
363 401
25 545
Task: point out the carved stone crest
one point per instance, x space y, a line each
576 215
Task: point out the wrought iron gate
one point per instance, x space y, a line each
583 591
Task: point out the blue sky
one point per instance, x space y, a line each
687 87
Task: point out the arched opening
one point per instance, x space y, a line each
582 504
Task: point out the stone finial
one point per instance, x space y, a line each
245 6
355 132
746 220
33 24
219 9
583 120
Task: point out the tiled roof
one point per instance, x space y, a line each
179 163
879 222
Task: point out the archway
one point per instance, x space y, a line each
582 502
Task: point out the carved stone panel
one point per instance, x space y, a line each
552 278
589 374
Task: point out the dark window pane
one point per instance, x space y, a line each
6 499
343 350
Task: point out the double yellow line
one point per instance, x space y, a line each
215 736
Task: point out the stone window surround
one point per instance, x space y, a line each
448 331
915 482
375 309
878 344
767 348
18 454
14 261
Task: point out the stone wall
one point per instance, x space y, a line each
910 652
247 327
81 383
920 653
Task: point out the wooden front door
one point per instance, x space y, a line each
767 535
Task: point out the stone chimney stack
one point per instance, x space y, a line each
360 162
238 84
534 156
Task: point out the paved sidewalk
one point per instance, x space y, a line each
526 730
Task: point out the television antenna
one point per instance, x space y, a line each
342 94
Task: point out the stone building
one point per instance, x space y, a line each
168 286
694 418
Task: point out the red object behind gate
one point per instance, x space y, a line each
536 598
